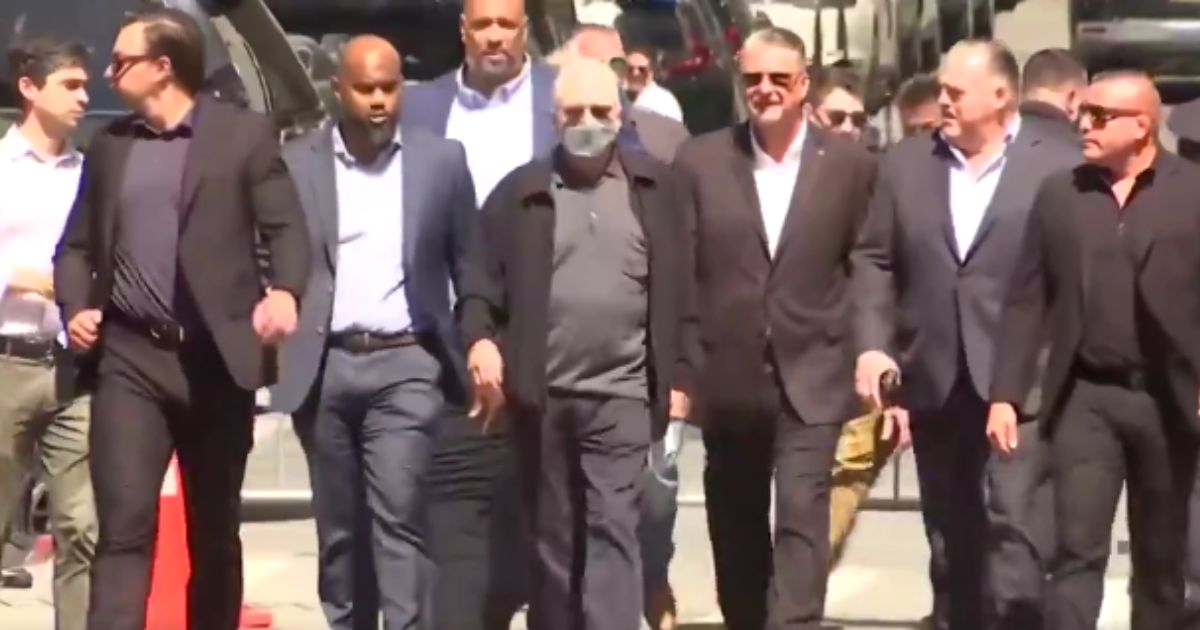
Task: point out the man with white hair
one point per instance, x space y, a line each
576 267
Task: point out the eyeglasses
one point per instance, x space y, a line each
837 117
783 80
1100 115
638 71
120 63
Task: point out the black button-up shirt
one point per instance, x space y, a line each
1112 313
149 209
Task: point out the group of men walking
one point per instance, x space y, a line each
490 302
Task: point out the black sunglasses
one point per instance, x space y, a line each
783 80
1101 115
837 117
120 63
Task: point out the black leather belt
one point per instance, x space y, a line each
165 335
26 348
361 342
1128 378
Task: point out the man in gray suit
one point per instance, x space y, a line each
376 349
934 256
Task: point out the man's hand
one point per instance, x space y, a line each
33 281
84 329
275 317
1002 428
895 420
486 367
872 365
681 406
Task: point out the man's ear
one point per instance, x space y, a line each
27 88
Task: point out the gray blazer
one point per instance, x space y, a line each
660 136
918 298
427 105
439 214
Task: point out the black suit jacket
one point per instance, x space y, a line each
234 186
510 266
1052 277
796 304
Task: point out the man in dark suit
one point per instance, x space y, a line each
573 313
500 106
1052 85
947 216
1109 269
772 208
389 212
157 278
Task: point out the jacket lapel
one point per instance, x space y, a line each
1017 164
742 167
203 149
939 182
414 181
804 195
116 157
322 183
544 135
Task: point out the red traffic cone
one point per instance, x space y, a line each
167 607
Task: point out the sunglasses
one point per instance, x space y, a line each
120 63
1100 115
837 117
783 80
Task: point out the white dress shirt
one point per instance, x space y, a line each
970 195
368 288
496 131
775 183
38 195
659 100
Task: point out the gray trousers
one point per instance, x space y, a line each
581 460
33 417
368 436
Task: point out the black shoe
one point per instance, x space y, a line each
16 578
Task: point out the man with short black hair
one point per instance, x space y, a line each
917 102
40 411
837 102
174 339
1052 85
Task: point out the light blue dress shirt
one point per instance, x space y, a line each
369 288
971 194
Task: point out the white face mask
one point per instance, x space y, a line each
590 138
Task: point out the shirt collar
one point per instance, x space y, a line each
763 160
182 130
14 147
343 153
470 97
1010 134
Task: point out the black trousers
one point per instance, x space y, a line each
581 462
150 401
760 585
1108 436
478 531
951 450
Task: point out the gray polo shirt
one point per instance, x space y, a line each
147 243
598 292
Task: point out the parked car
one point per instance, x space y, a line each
1159 36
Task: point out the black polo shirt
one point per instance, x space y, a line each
1113 310
151 202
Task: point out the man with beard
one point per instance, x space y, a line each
772 208
573 314
158 280
500 106
389 213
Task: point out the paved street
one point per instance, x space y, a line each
881 584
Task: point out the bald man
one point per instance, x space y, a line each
1108 270
938 243
577 269
376 351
